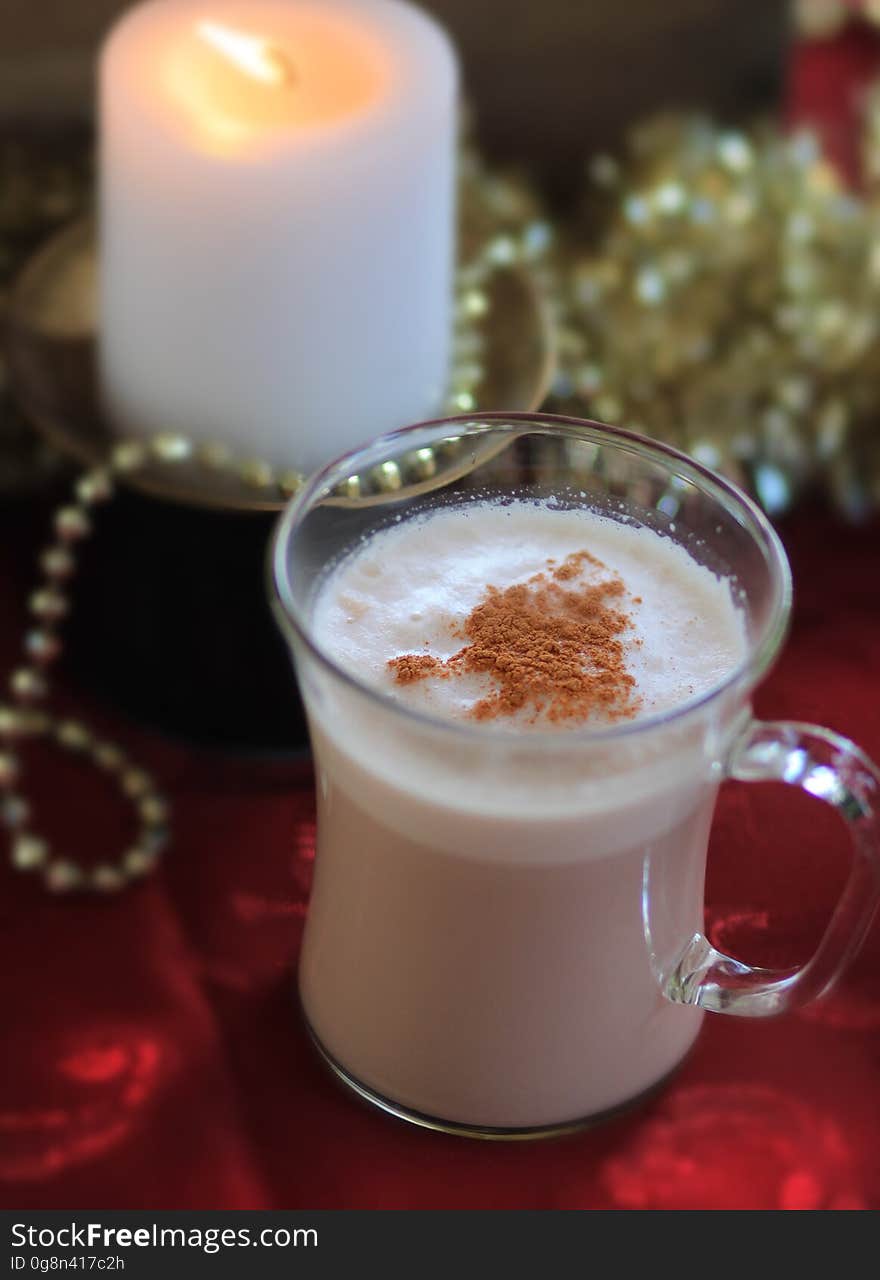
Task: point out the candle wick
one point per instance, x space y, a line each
286 75
253 55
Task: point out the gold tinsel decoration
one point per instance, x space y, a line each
730 304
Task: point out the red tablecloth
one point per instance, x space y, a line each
153 1055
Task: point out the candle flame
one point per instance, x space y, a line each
253 55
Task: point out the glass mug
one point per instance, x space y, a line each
505 932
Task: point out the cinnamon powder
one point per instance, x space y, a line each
552 645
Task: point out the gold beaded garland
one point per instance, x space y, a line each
29 852
62 876
49 605
424 463
290 482
138 862
72 523
107 756
214 456
171 448
27 685
350 487
73 735
94 487
42 646
107 879
128 456
389 477
57 563
136 783
257 474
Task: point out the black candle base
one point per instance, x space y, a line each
171 624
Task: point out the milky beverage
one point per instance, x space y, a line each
476 947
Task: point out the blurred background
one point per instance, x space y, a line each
550 81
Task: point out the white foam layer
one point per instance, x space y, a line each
407 588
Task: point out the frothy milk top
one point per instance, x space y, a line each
407 591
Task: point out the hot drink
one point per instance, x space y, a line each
527 648
476 950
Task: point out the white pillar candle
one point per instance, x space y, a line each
276 222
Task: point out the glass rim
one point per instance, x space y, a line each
760 656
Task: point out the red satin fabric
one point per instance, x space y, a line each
153 1055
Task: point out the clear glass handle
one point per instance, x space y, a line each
835 770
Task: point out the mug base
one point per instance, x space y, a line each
485 1133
